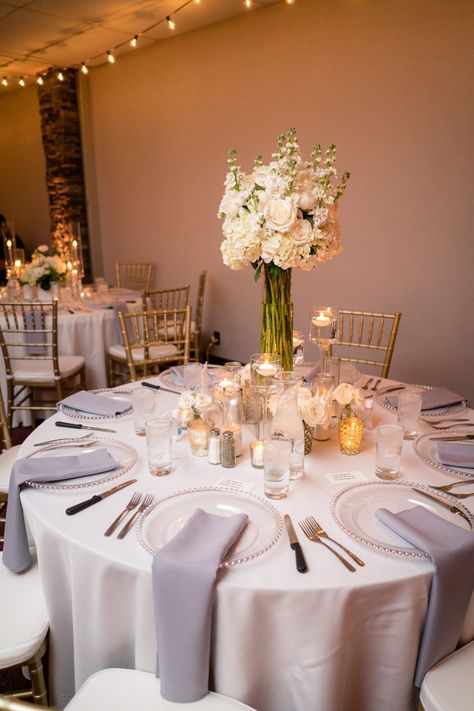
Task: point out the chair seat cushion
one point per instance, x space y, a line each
449 686
43 369
7 460
125 689
23 618
156 352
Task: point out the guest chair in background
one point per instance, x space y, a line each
367 338
156 299
195 349
151 339
126 689
449 685
136 276
7 460
29 343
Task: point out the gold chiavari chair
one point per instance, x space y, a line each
367 338
156 299
195 351
7 460
9 704
136 276
151 339
29 344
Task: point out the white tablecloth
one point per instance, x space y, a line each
283 641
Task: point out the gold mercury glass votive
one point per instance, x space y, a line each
350 434
198 435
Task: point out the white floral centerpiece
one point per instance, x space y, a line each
349 397
44 270
193 405
281 215
315 409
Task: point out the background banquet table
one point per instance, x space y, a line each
283 641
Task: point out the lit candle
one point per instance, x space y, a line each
75 257
256 453
266 369
218 391
10 252
322 320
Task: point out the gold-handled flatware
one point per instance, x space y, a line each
132 504
450 427
447 487
64 445
147 501
319 531
368 383
376 384
316 539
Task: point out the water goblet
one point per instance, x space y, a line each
323 330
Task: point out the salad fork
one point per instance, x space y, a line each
447 487
147 501
319 531
64 445
453 424
367 385
132 504
308 532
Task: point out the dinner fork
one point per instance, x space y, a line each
447 487
316 539
147 501
64 445
376 384
58 440
368 383
319 531
453 424
132 504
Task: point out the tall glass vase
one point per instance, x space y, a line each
277 314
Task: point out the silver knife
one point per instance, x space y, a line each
301 566
454 509
98 497
454 438
78 426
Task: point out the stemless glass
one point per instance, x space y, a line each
159 446
388 451
143 403
276 467
323 330
408 412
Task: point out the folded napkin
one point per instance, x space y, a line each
452 551
456 454
431 399
16 555
184 573
95 404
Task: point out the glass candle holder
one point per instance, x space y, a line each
323 330
198 435
256 453
217 391
324 387
351 430
233 415
232 370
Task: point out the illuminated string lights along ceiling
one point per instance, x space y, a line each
36 35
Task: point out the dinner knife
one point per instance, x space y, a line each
454 438
301 566
454 509
78 426
157 387
98 497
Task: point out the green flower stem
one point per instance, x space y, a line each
277 314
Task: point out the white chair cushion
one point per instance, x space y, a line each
156 352
23 618
43 370
126 689
449 686
7 460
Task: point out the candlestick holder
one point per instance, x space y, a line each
263 366
323 330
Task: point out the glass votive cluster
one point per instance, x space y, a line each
351 430
198 434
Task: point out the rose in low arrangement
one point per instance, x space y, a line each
44 270
349 397
314 409
198 403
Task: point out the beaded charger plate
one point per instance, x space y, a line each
426 448
158 524
172 381
122 397
381 395
354 509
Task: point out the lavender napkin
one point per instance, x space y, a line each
16 555
431 399
452 551
95 404
456 454
310 376
184 573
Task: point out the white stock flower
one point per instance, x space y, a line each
187 399
202 402
344 394
280 214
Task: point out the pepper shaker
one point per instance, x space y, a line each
228 450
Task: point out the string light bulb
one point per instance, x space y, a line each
60 76
198 2
171 24
40 81
21 82
134 41
5 81
290 2
248 4
84 68
110 57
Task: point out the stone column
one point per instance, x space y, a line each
61 134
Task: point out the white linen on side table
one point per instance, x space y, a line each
328 639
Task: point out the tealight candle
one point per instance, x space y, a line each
218 391
256 454
266 369
322 320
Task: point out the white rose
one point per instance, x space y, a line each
344 393
315 411
302 231
202 402
187 399
280 214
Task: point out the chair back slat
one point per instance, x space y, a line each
156 299
133 275
364 333
29 331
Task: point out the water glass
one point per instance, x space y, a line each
192 375
388 451
333 367
276 467
143 403
409 409
159 448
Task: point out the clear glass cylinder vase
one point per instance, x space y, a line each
277 314
287 420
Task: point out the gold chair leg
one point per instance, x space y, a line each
38 684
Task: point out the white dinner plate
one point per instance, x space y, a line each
123 453
122 398
161 522
169 380
435 412
354 511
427 450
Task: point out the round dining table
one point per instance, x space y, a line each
282 641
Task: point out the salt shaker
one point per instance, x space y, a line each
228 450
214 449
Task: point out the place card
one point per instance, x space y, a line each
345 478
234 485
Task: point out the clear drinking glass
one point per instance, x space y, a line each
159 447
324 386
143 403
287 421
276 467
323 330
333 367
409 409
388 451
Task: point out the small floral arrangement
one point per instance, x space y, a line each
314 409
349 397
43 270
197 402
